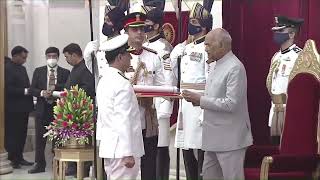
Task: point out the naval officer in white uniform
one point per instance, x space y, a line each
121 142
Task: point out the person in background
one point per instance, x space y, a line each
145 69
45 80
194 71
284 34
18 105
81 76
164 107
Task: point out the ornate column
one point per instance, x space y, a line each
5 166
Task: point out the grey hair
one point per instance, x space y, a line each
224 38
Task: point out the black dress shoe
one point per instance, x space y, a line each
15 165
25 163
37 169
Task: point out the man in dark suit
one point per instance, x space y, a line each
81 76
46 79
18 105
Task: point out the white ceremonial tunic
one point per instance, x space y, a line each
194 70
119 115
164 107
281 67
152 74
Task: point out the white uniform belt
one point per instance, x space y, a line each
195 86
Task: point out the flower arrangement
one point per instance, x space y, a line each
73 118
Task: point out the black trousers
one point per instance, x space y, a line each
148 161
16 126
192 165
163 163
41 143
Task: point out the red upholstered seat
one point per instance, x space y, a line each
296 158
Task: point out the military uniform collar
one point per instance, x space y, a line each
199 40
154 38
119 72
288 49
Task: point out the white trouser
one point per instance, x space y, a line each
116 170
164 132
224 165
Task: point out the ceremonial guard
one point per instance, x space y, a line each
194 70
284 34
145 69
164 107
111 27
121 142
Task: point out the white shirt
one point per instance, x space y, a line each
194 68
151 75
119 126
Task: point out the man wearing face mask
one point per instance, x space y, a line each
194 70
111 27
18 105
145 70
45 80
284 34
164 107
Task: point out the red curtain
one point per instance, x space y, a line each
249 23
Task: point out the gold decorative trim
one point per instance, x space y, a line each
308 61
265 166
274 65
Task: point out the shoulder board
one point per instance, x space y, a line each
166 56
123 76
297 49
150 50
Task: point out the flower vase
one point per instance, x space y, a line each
72 143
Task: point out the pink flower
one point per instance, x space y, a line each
84 101
59 116
64 94
91 107
69 116
74 126
55 121
86 125
64 124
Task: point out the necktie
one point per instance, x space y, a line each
51 85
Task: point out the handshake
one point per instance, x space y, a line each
51 94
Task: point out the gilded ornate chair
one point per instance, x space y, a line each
296 158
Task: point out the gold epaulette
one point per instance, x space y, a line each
150 50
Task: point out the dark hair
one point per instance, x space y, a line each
52 50
111 55
17 50
73 48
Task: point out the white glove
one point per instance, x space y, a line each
91 47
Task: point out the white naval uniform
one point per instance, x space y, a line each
281 67
194 69
152 75
120 124
164 107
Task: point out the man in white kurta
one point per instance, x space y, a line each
226 126
194 70
284 34
121 141
164 107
